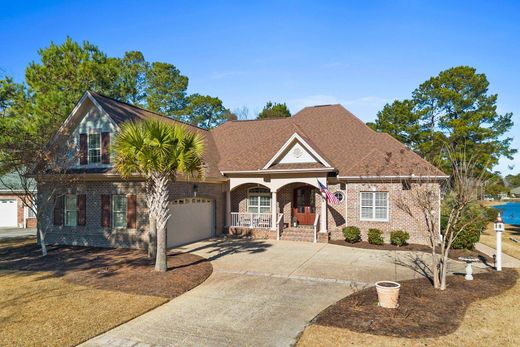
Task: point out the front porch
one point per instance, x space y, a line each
294 211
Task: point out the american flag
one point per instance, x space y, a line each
331 198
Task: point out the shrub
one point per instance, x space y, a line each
352 234
477 217
399 237
375 237
491 213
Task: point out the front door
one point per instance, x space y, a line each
304 205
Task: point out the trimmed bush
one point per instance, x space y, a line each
399 237
352 234
375 237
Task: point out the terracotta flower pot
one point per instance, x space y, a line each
388 293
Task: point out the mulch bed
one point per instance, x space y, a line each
124 270
423 311
413 247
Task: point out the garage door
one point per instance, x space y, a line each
192 219
8 213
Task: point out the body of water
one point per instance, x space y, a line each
510 212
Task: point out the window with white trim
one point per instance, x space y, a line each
258 200
340 196
119 211
94 148
374 206
71 210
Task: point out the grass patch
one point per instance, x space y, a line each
488 322
488 237
76 293
40 309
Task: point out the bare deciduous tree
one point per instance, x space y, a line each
423 204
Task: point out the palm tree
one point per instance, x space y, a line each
159 152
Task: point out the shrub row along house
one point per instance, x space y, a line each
265 178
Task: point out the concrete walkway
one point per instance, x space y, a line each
507 260
263 293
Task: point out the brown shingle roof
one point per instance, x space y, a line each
347 143
342 139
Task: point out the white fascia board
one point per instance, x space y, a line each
295 136
69 118
266 172
94 101
73 113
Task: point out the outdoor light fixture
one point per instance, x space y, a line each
499 228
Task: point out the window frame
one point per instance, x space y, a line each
342 196
30 212
89 148
66 211
123 211
266 193
374 207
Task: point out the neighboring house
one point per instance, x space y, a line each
515 192
263 178
13 212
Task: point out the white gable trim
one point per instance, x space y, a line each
75 110
298 138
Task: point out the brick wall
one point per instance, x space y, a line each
398 218
92 234
350 208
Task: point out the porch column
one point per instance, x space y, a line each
323 215
228 208
274 210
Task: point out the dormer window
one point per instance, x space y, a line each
94 148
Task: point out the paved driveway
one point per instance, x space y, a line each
262 293
16 232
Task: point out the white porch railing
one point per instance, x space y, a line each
315 227
279 225
251 220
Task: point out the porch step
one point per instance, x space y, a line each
297 234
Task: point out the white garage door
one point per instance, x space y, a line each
192 219
8 213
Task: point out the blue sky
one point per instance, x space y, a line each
359 54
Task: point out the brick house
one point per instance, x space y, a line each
263 178
14 212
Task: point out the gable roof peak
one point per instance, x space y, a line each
142 111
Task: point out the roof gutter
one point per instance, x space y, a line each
375 178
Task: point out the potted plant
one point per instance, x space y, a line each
388 293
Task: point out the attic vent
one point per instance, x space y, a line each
325 105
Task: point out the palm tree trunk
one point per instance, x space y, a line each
162 214
152 237
152 231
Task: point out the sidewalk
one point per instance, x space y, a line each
507 260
